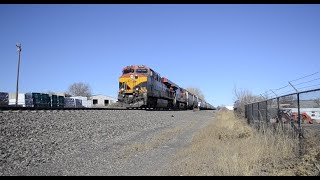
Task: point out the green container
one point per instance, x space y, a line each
45 100
36 99
61 101
54 99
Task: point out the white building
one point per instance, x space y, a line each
86 102
229 107
21 99
102 100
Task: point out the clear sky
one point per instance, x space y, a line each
213 47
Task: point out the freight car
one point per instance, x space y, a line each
141 86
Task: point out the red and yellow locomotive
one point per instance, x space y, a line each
141 86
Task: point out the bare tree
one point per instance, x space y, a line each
221 106
80 89
196 91
244 97
317 101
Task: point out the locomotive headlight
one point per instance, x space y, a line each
122 89
137 88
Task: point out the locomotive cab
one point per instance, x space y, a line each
133 85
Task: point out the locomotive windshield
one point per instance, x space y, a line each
126 71
141 70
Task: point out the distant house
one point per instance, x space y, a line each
102 100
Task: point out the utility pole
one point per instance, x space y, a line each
19 50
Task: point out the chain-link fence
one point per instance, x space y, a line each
296 112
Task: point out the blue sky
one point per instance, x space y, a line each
213 47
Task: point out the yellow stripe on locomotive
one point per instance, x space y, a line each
131 85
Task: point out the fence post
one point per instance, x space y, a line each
266 111
251 111
248 115
301 144
278 114
259 112
245 111
299 118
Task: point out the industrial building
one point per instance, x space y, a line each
102 100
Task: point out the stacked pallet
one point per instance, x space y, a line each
4 99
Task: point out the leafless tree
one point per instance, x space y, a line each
196 91
317 101
221 106
80 89
244 97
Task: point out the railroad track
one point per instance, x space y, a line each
14 108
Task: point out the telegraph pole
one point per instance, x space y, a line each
19 50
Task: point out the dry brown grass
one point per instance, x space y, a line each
309 165
229 147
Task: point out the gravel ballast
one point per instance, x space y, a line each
79 142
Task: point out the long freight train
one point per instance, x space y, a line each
141 86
